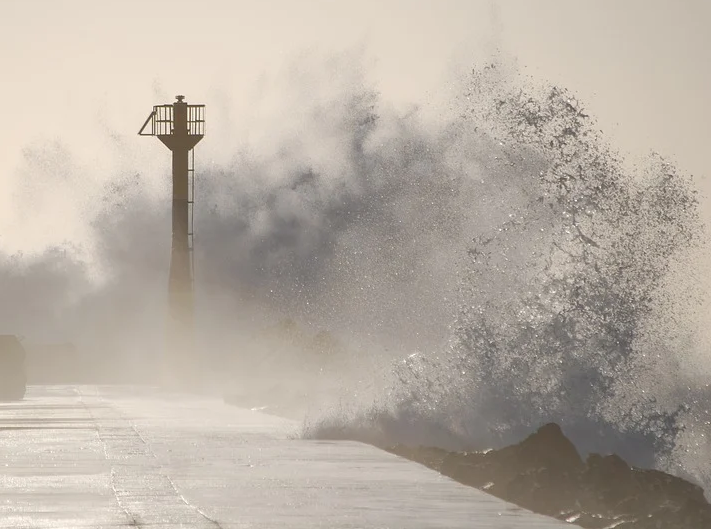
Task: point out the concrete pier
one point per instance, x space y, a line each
108 457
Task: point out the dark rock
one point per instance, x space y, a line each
546 448
611 485
671 488
606 482
431 457
538 473
544 473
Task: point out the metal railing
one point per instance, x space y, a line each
161 121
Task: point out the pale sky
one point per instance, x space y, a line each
74 69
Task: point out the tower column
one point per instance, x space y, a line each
180 127
179 339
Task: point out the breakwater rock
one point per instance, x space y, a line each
545 474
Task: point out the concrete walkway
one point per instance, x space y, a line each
95 457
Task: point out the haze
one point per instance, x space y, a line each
80 77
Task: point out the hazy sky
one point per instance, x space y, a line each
74 70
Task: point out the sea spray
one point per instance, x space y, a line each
497 270
567 312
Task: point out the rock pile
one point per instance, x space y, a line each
545 474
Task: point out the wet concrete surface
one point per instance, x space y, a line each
108 457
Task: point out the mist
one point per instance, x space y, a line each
339 265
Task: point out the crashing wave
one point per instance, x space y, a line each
573 308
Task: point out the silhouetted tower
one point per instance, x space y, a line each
180 127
